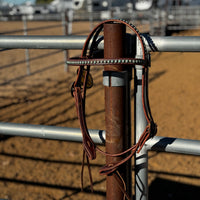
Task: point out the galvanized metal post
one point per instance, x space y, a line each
90 12
115 109
141 159
65 23
26 50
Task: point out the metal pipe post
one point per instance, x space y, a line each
65 22
115 111
26 50
90 12
141 159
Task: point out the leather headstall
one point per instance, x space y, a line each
84 81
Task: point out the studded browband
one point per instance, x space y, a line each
106 61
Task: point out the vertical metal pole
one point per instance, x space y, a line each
26 50
69 19
141 159
115 109
90 12
65 22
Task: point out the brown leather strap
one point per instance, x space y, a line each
108 169
119 179
89 171
88 144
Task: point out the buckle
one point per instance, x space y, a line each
89 83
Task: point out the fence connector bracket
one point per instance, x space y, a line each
114 79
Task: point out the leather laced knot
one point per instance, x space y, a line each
84 81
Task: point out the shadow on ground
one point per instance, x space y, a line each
170 190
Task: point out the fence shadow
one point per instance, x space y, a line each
171 190
75 190
30 59
45 160
44 184
33 73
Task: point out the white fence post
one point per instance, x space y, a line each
140 123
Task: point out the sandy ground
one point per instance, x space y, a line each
46 169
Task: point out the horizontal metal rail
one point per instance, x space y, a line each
154 43
157 143
173 43
42 42
174 145
49 132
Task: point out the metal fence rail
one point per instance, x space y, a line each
66 25
153 43
157 143
183 17
49 132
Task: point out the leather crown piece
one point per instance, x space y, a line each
84 80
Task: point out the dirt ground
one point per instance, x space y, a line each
46 169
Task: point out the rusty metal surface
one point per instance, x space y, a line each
114 107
